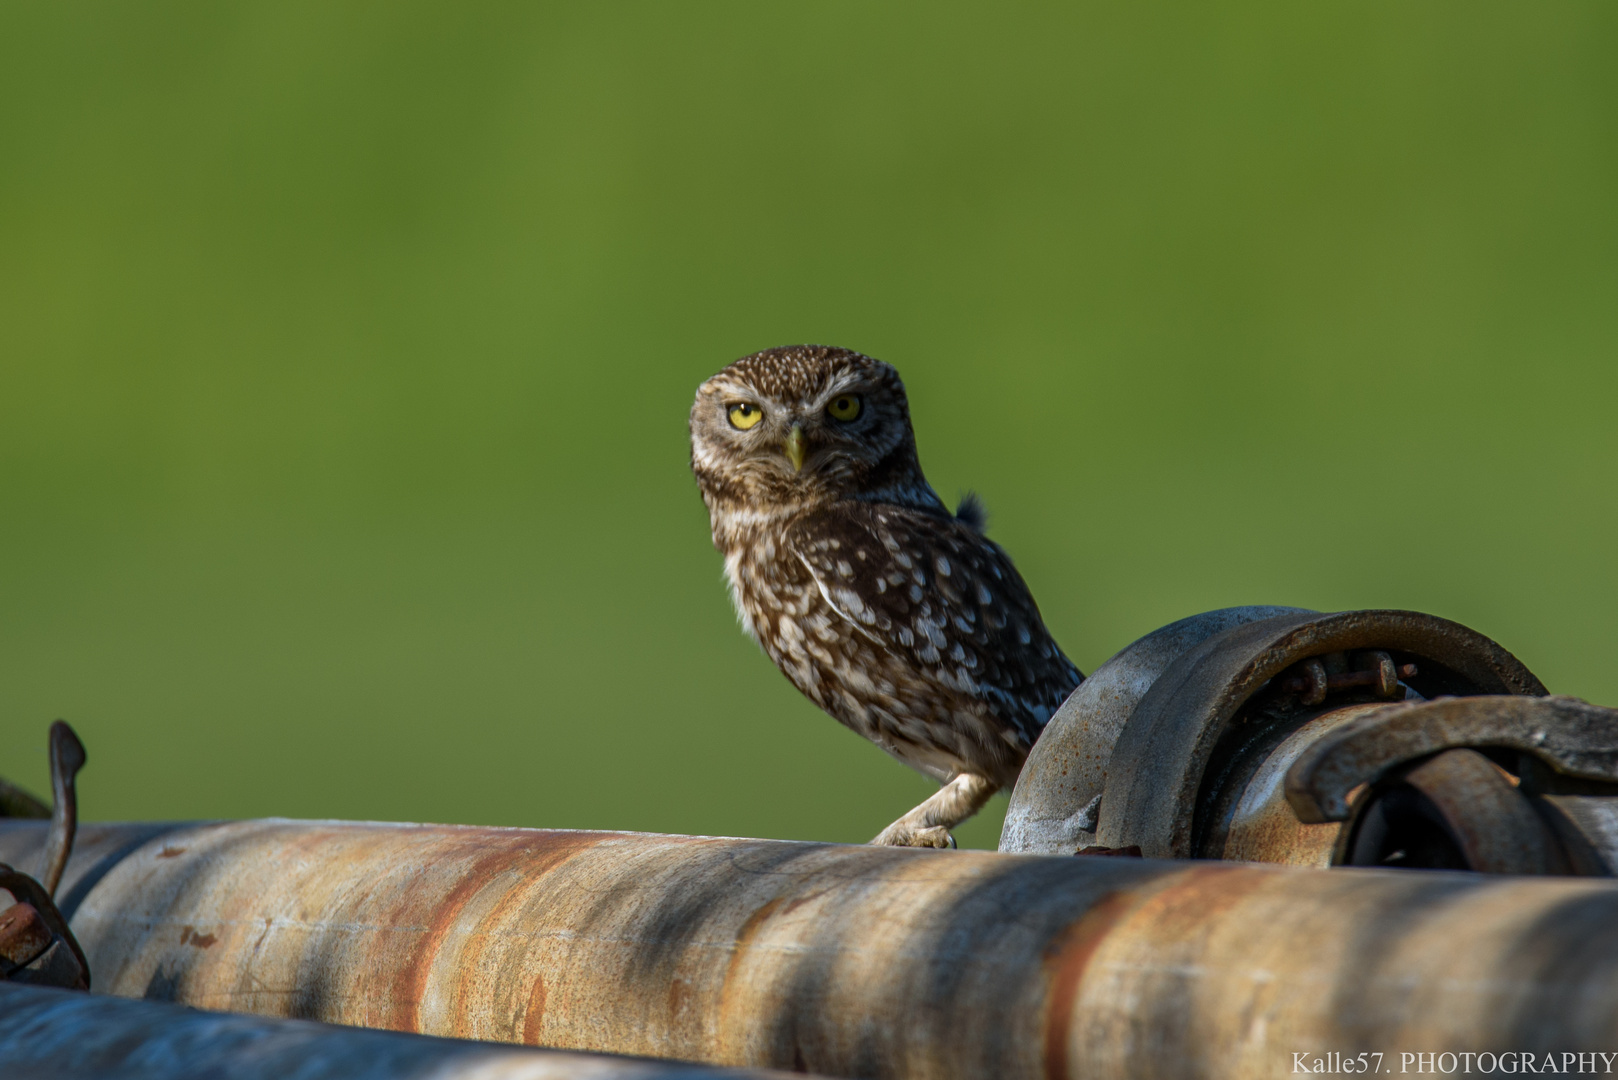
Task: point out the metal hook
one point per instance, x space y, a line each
67 758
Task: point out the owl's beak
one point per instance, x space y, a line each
796 447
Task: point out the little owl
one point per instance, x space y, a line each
897 617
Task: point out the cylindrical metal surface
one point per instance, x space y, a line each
61 1035
1053 806
844 960
1253 822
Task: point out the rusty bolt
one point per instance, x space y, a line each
1314 684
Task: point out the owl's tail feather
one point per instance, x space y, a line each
972 511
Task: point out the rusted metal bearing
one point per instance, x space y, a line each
1496 784
1571 739
1455 811
1182 755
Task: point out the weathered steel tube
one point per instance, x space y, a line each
843 960
60 1035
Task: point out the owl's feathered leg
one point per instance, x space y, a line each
928 825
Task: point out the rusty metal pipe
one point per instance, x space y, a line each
56 1035
844 960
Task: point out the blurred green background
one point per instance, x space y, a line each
346 351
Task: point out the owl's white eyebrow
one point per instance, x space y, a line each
852 381
732 394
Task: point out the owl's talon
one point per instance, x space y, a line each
928 825
896 835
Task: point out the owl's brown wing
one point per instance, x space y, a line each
942 598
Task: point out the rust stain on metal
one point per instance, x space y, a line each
744 941
534 854
797 902
23 935
1183 906
189 936
749 929
1200 895
414 977
484 971
534 1016
1068 959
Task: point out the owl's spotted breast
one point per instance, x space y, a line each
910 627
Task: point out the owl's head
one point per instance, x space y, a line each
804 424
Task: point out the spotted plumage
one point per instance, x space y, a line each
897 617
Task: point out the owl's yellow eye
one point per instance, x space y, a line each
744 415
844 407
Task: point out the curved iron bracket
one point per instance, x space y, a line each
1571 736
1055 804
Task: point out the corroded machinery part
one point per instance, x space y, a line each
1513 785
1053 807
36 946
842 960
52 1035
1206 719
1568 738
1185 773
